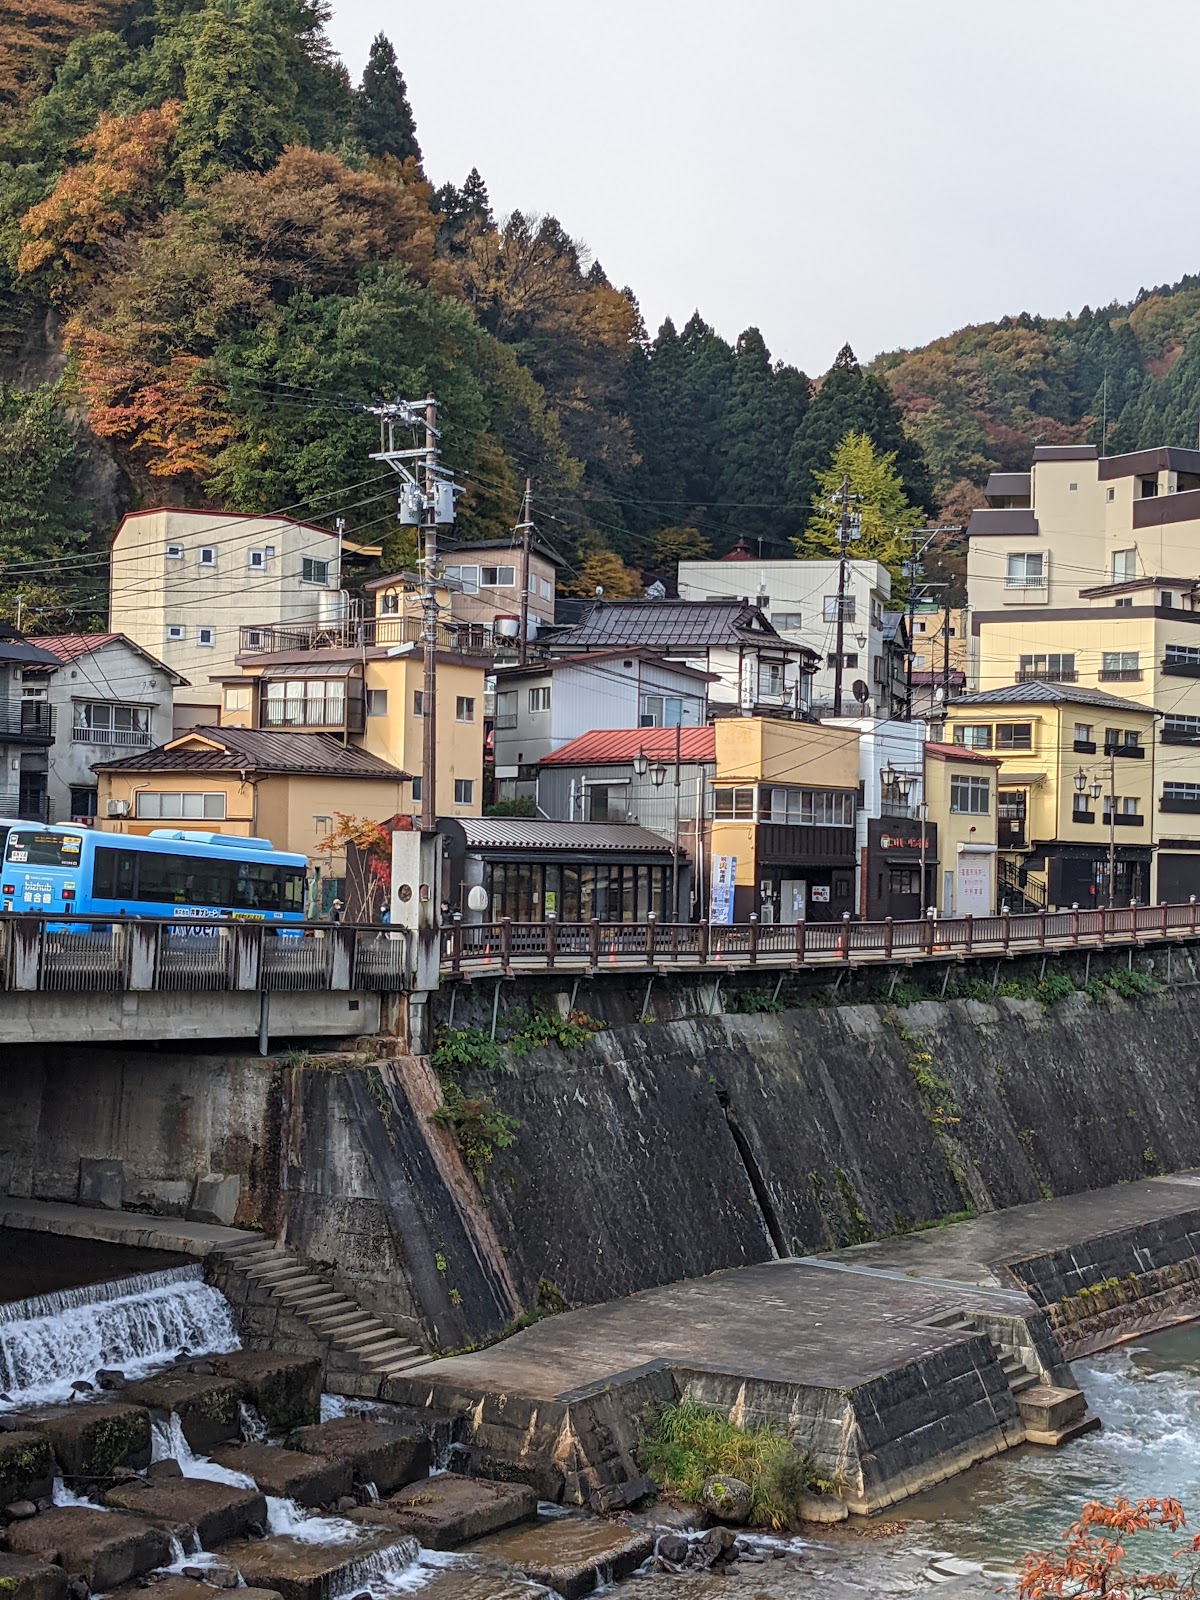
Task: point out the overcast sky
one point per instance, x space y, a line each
881 171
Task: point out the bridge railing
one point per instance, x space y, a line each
506 945
75 955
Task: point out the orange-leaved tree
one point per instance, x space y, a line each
367 846
1092 1560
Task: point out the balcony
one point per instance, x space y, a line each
1190 808
1084 747
1032 675
467 638
1125 819
1179 669
1131 752
1120 675
30 721
1083 817
126 738
1179 736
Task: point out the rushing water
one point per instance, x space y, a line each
134 1324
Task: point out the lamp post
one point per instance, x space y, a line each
658 776
1095 788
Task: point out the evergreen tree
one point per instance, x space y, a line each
766 407
880 504
383 119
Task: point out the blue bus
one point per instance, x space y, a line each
52 870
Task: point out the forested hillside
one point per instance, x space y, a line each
216 249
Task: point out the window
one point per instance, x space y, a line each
100 722
506 708
174 552
416 788
788 619
1124 566
848 660
974 735
1055 667
876 612
1083 733
1025 570
1127 806
464 791
970 797
1072 487
1110 494
238 698
918 663
1122 665
464 708
920 626
1171 791
497 577
208 556
1178 729
1014 736
539 699
83 805
418 703
377 702
305 703
468 577
904 880
733 803
1121 739
256 560
607 802
661 711
1126 603
1182 655
1149 488
389 604
546 588
175 633
172 806
822 808
1081 806
829 608
770 677
314 571
1166 598
204 636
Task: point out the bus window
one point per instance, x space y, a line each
257 886
28 849
293 889
113 874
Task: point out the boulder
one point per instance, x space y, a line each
20 1509
292 1474
727 1499
385 1456
26 1465
214 1512
447 1511
104 1547
23 1579
207 1408
89 1441
284 1390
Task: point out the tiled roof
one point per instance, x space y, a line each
257 750
669 625
614 746
957 752
536 833
70 646
589 658
1023 694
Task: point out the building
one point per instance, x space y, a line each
373 699
754 669
891 851
27 726
801 599
549 702
108 697
532 869
1056 836
784 804
287 787
961 789
487 576
632 775
1077 520
183 583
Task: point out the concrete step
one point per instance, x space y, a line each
290 1282
364 1344
1020 1384
336 1321
394 1350
275 1271
295 1294
389 1366
397 1370
245 1256
304 1304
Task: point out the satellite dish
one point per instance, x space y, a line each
860 691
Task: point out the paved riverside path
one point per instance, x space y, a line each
834 1320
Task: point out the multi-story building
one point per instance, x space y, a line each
542 706
486 579
801 599
27 726
754 670
892 841
1077 782
961 804
109 697
184 583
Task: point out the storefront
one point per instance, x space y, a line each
897 851
1078 875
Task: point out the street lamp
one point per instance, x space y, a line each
658 774
640 764
1080 781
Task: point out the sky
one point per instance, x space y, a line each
874 171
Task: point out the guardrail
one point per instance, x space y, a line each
507 947
89 955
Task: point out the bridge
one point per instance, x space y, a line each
74 980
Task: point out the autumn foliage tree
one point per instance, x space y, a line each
1094 1559
366 847
35 33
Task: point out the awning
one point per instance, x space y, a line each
309 669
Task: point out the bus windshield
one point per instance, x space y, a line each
43 848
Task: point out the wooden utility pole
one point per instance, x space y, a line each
843 538
430 629
526 532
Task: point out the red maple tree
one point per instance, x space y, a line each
1092 1560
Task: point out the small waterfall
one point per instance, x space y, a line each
250 1425
288 1520
381 1572
333 1407
167 1443
62 1496
135 1324
370 1494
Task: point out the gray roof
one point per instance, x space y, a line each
1008 483
537 833
669 625
892 621
1020 694
1004 520
259 750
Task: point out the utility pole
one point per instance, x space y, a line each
1112 824
946 648
844 536
526 532
675 831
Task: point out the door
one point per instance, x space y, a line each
793 900
1012 807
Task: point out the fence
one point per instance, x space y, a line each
93 955
469 949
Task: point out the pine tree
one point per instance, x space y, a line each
383 118
880 503
766 406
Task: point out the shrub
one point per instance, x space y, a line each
464 1049
479 1128
547 1027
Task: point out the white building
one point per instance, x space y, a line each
186 585
801 599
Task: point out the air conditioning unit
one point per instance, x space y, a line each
118 808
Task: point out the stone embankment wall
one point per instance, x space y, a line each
654 1151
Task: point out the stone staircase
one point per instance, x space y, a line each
1014 1369
335 1321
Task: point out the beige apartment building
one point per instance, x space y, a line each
184 584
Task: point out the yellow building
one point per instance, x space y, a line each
1140 639
961 788
784 800
373 697
1055 836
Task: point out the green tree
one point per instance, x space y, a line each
41 517
766 407
879 502
383 119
